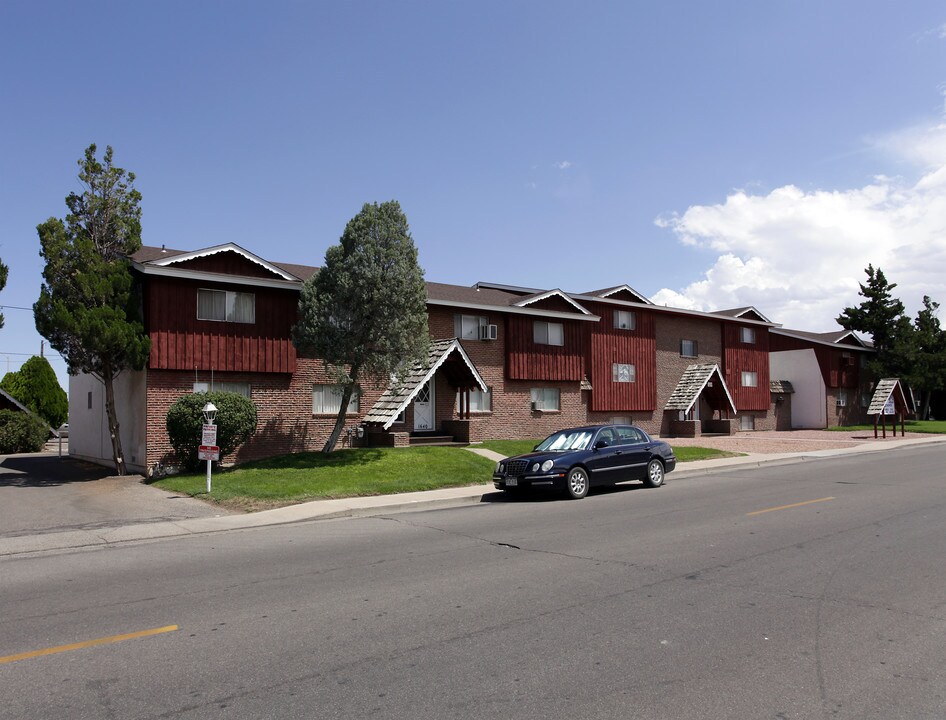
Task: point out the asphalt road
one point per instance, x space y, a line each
811 590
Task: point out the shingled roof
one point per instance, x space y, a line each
395 399
886 389
781 387
694 380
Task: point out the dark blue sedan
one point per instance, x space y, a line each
577 459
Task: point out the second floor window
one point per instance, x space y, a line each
622 372
226 306
624 320
468 327
548 333
747 335
750 378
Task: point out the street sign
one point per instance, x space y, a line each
209 435
208 452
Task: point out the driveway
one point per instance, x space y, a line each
42 493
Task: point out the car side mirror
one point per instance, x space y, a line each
601 444
534 448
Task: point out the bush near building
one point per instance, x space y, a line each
236 422
21 433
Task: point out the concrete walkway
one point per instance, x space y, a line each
386 504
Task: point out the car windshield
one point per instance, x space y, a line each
566 440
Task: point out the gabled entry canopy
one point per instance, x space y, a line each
446 355
696 380
889 389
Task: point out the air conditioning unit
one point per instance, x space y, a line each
534 408
488 332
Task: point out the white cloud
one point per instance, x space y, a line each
799 255
562 165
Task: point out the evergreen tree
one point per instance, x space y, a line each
881 316
37 387
365 311
928 371
88 306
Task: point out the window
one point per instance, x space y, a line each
479 401
548 333
688 348
240 388
747 335
750 378
842 397
624 319
226 305
327 399
620 420
865 399
629 436
622 372
747 422
467 327
546 399
90 399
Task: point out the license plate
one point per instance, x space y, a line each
512 482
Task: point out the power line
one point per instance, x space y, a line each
14 307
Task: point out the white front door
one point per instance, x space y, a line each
424 407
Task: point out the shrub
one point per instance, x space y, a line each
20 432
236 422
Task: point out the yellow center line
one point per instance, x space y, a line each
88 643
787 507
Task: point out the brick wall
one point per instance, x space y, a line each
285 422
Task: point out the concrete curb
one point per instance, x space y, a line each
382 504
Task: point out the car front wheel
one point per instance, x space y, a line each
655 474
577 483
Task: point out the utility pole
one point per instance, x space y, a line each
42 344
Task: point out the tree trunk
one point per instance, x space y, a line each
342 412
113 430
925 412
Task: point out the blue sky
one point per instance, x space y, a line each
710 155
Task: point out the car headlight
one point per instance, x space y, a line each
500 468
547 465
535 467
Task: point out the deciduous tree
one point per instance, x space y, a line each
365 311
88 307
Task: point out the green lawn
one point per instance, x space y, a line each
919 426
684 454
289 479
296 478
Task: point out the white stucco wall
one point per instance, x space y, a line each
800 368
88 423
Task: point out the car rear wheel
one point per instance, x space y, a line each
577 483
655 474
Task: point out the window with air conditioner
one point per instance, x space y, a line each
546 399
226 306
469 327
842 397
548 333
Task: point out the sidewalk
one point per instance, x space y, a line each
388 504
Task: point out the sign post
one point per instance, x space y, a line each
208 450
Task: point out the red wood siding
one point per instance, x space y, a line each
228 263
527 361
837 371
608 345
738 357
179 341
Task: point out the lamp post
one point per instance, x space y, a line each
209 434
